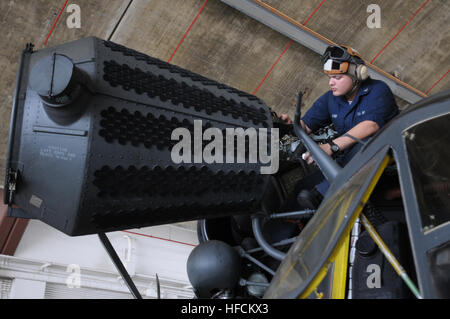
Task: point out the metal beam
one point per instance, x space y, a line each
296 31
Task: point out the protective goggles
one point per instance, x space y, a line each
339 54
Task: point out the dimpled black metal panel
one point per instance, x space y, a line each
102 160
175 69
200 100
132 182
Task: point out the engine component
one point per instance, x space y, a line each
257 284
91 139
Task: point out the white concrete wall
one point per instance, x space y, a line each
165 255
150 255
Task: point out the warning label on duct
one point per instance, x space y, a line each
35 201
57 152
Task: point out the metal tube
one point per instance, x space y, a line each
296 214
243 253
328 167
244 282
275 253
351 258
389 256
280 243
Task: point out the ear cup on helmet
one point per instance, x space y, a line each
362 72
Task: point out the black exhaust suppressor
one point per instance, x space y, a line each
90 141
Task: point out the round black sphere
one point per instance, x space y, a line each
212 266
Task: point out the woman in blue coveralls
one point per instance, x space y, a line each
357 105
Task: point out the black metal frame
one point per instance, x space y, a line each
119 266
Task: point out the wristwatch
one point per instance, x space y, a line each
334 147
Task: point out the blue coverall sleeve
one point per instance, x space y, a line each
318 115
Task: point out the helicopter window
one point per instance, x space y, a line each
320 236
439 259
428 152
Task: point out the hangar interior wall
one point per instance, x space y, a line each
50 264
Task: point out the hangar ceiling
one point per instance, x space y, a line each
217 41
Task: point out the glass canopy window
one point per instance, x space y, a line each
428 147
317 241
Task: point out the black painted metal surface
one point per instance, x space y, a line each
91 141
